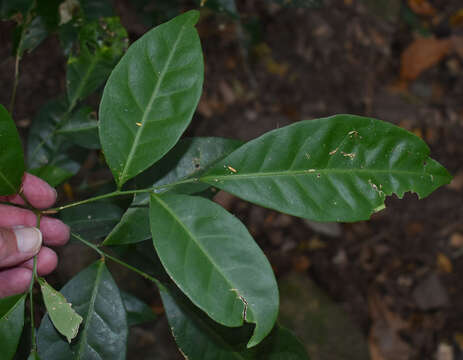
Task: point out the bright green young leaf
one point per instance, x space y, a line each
200 338
92 221
44 145
214 260
339 168
61 313
11 324
189 158
82 128
11 155
137 311
103 335
52 174
151 96
100 45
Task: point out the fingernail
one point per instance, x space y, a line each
28 239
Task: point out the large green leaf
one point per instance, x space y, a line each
92 221
200 338
82 128
61 313
44 145
11 155
339 168
137 311
103 335
11 324
189 158
101 43
214 260
151 96
51 174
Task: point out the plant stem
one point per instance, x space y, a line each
121 193
31 295
116 260
16 78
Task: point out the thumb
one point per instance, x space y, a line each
18 245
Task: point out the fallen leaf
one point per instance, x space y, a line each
422 7
422 54
443 263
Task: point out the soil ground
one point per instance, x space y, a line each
398 276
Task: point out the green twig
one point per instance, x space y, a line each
31 295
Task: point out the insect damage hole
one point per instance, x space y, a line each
244 301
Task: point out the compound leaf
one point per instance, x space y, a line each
11 324
200 338
339 168
214 260
103 335
11 155
151 96
61 313
189 158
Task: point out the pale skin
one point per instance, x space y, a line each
17 231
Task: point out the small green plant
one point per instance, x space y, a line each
218 289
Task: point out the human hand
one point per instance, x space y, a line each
20 240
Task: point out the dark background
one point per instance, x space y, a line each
397 277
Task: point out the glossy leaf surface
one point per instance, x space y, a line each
101 44
60 312
45 146
339 168
11 324
151 96
95 296
82 128
189 158
137 311
11 155
200 338
51 174
232 279
92 221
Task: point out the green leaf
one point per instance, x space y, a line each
339 168
92 221
191 236
100 45
151 96
11 155
103 335
82 128
11 324
32 33
45 146
189 158
61 313
137 311
33 356
51 174
199 338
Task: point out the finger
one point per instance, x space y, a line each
14 281
55 232
18 245
36 191
47 260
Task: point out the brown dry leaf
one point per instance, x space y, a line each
456 240
422 7
384 340
443 263
421 55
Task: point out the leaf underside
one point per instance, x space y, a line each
339 168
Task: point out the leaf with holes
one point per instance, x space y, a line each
232 279
61 313
151 96
189 158
11 324
11 155
103 335
339 168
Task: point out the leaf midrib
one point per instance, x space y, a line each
12 187
192 236
153 97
